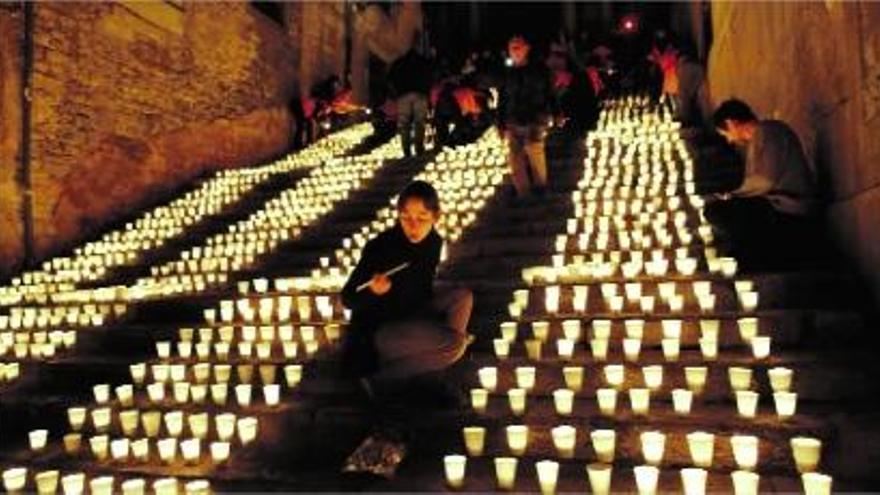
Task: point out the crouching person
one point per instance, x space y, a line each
401 326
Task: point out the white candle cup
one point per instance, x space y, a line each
551 299
682 399
745 482
780 379
574 377
47 482
517 439
521 297
119 449
615 304
671 349
198 425
646 479
695 378
501 347
653 446
571 329
565 349
635 329
525 377
37 439
533 349
640 401
140 449
247 429
740 378
807 453
709 329
505 472
748 300
548 473
579 301
564 439
748 328
165 486
676 303
604 445
156 392
615 375
607 399
99 446
135 486
541 330
173 423
197 487
631 349
647 304
508 331
747 403
191 449
760 347
693 481
14 479
488 377
293 375
219 452
653 376
599 349
479 399
745 451
474 440
599 475
563 401
138 372
517 399
101 393
816 484
102 485
601 329
219 393
181 392
786 404
515 310
709 349
151 422
702 448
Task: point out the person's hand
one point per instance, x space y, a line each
380 284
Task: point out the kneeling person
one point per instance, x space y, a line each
401 326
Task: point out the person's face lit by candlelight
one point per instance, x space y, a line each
416 219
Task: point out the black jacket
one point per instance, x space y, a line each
526 96
411 288
410 73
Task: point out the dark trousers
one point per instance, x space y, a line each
406 348
759 236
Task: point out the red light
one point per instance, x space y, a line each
629 23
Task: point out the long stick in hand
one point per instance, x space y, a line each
387 274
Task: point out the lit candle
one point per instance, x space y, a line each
247 430
501 347
548 472
505 472
807 453
99 445
745 451
151 421
694 481
682 400
474 440
525 377
760 346
479 399
488 376
102 485
646 479
671 349
695 378
745 482
47 482
533 349
37 439
786 404
607 399
563 401
614 375
574 377
653 376
293 374
780 379
564 439
604 444
740 378
14 479
119 449
133 487
140 449
599 475
599 349
653 445
541 330
640 401
197 487
517 439
219 452
631 349
73 483
165 486
508 331
517 399
748 328
702 448
191 449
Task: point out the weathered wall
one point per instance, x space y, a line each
817 66
318 30
130 99
11 29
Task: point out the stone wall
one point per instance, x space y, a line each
132 98
817 66
11 30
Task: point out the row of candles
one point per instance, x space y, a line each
91 261
47 482
693 480
23 317
806 451
206 372
281 308
604 215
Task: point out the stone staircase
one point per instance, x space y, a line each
817 321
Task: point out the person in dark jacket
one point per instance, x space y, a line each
401 326
409 78
524 112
